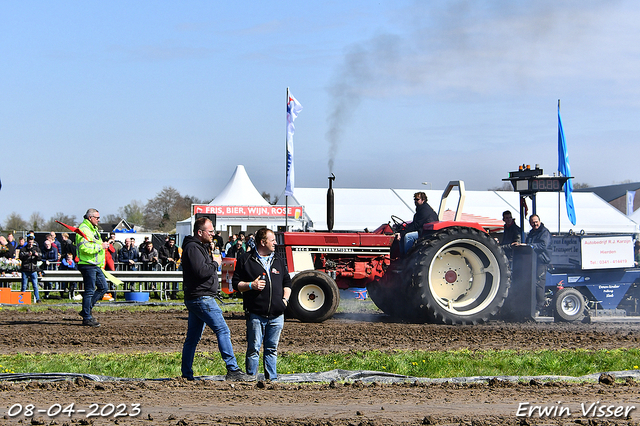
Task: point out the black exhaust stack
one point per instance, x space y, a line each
330 203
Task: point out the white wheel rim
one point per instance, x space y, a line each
458 277
311 297
570 305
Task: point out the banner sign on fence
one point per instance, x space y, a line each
249 211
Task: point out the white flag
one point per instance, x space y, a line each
631 195
293 109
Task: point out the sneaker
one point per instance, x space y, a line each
91 322
108 297
77 297
238 376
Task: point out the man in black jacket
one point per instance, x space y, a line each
30 256
169 256
200 280
413 231
263 279
511 234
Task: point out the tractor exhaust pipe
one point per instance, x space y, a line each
330 203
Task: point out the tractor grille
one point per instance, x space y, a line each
280 251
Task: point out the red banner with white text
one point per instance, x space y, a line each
249 211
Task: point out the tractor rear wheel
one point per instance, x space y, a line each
314 297
568 305
460 275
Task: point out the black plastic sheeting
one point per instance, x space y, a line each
328 376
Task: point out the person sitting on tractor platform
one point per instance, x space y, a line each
413 231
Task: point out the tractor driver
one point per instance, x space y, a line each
413 231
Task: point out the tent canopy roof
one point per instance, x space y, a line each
611 192
357 209
239 191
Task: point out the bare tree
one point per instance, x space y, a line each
15 222
184 211
506 186
166 208
111 219
52 225
580 185
36 222
133 212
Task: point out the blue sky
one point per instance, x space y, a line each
107 102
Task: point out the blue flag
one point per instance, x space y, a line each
293 109
563 168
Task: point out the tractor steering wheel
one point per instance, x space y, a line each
398 223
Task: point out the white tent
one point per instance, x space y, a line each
635 216
357 209
239 191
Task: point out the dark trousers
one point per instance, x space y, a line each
541 272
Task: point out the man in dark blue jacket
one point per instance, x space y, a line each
200 281
262 277
539 239
128 256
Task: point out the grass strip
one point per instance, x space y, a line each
433 364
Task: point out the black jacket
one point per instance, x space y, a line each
199 271
424 214
67 246
510 235
8 251
166 252
30 258
268 302
540 241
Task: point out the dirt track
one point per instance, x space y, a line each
175 401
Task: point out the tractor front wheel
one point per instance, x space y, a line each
314 297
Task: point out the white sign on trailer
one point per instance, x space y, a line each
607 252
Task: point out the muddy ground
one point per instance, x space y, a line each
177 402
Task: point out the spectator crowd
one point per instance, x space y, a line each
25 257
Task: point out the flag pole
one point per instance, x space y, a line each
565 171
286 197
559 217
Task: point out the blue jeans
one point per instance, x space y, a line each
262 330
409 240
205 311
33 276
95 286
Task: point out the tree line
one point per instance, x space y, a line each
158 214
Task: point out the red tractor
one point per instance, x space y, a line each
455 274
